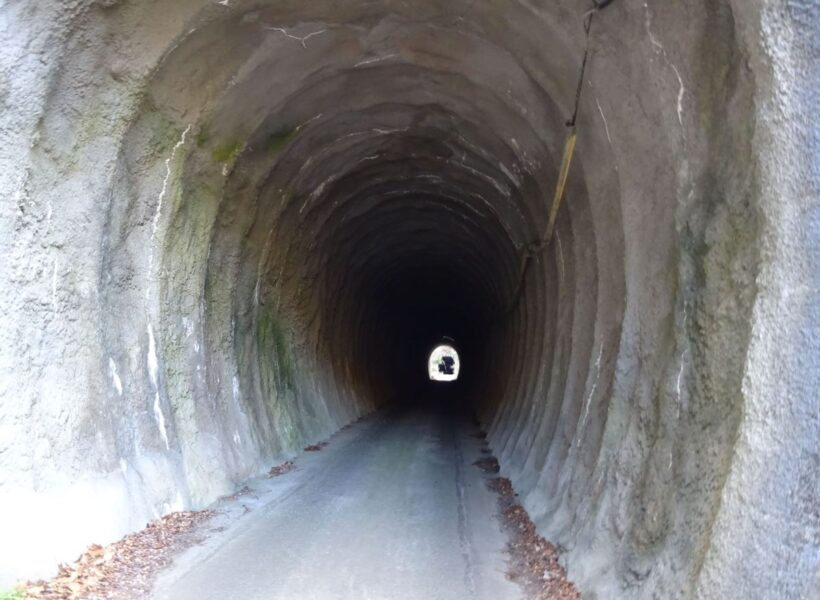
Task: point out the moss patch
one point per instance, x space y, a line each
226 152
162 131
274 351
203 136
279 140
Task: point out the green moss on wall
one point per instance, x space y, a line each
162 130
203 136
279 140
273 350
226 152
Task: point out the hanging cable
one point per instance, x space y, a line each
566 160
587 28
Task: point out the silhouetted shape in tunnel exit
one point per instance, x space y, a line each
443 364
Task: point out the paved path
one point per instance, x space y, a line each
391 509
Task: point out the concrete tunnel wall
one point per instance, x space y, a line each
218 219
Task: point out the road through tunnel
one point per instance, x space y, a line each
239 226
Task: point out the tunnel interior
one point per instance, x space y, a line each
278 208
324 199
418 265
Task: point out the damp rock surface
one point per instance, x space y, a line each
229 229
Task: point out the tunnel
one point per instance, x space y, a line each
230 229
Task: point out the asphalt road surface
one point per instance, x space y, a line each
391 509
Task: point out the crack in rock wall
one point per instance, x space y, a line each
228 227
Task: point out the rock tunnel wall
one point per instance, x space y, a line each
212 211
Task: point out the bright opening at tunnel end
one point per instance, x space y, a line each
443 364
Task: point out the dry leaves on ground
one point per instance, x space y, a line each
285 467
244 491
534 562
124 569
488 464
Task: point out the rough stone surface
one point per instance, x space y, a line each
223 223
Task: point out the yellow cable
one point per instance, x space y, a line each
563 174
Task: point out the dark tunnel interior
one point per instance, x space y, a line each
411 250
423 268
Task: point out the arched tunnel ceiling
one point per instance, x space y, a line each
236 223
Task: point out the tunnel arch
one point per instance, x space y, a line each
388 212
260 191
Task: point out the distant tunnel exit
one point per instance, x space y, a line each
443 364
